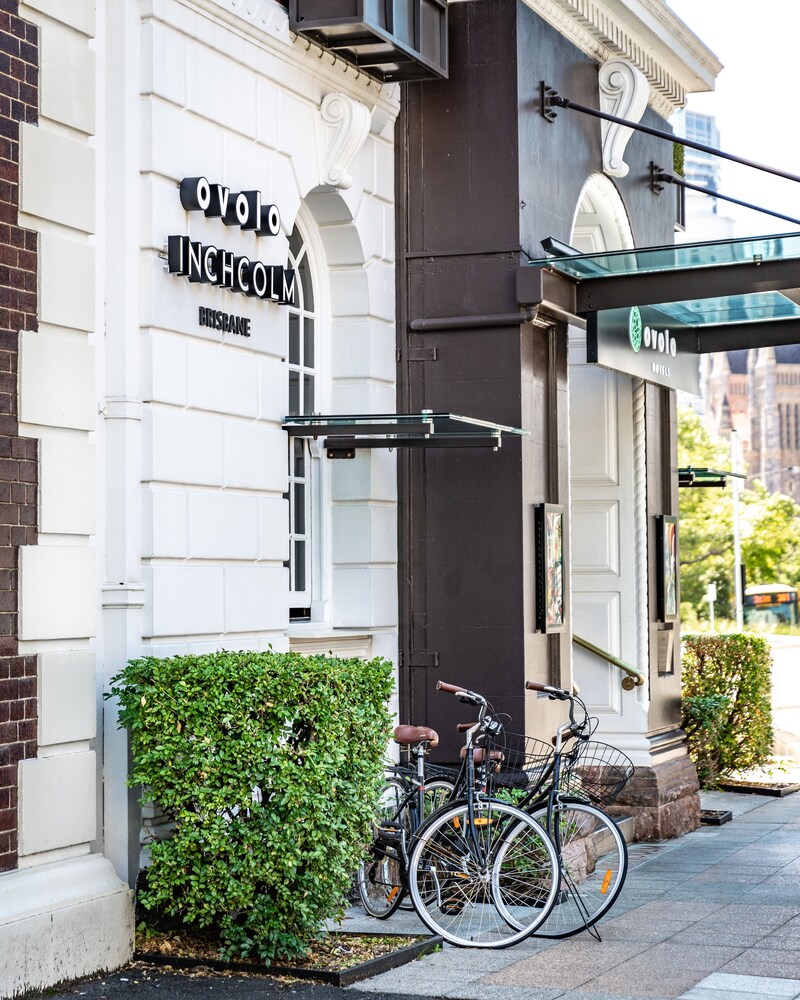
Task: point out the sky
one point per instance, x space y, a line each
755 101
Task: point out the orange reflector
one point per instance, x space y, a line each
606 882
456 822
392 894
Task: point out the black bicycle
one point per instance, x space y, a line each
564 786
481 872
413 790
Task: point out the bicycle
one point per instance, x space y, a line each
409 796
481 872
563 791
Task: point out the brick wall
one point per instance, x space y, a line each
19 74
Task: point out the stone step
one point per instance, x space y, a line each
627 827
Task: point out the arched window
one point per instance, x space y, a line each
302 362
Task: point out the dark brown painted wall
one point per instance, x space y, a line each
482 175
19 61
457 172
557 158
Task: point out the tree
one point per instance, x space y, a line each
706 521
769 527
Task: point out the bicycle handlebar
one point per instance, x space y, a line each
561 695
469 697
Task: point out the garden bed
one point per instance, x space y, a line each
744 786
337 959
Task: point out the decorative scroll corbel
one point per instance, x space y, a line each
624 92
351 120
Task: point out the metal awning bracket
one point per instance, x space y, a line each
547 98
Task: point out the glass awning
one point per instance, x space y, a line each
731 293
677 257
691 476
343 434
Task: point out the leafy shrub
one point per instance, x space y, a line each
727 713
269 765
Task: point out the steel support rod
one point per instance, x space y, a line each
680 182
550 98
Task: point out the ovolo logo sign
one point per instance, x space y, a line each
635 329
211 265
638 341
655 340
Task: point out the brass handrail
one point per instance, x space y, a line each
633 677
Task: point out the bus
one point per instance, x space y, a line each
770 604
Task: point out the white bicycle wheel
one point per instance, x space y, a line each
593 863
379 877
464 893
437 792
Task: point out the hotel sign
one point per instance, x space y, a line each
212 265
644 342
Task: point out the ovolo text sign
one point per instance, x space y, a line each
644 342
212 265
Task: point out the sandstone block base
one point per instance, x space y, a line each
62 921
662 799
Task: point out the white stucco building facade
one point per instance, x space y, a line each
173 516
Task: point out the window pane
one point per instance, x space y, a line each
308 393
299 509
404 21
299 459
294 394
308 342
299 566
295 242
305 281
430 31
375 12
294 340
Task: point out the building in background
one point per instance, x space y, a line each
706 217
212 223
755 392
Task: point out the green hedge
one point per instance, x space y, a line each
727 712
269 765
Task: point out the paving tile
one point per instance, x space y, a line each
720 936
697 894
734 876
768 962
743 914
665 969
631 927
764 986
569 965
504 993
698 993
785 894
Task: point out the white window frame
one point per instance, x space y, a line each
313 596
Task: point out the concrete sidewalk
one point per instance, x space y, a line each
714 915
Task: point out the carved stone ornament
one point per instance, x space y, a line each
624 91
351 121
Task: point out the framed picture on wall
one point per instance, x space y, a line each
667 546
550 584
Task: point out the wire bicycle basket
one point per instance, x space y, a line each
596 771
523 763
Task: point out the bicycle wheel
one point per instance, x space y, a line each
593 859
437 792
462 892
380 873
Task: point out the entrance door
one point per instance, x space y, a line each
603 530
608 524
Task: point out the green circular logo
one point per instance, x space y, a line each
635 329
